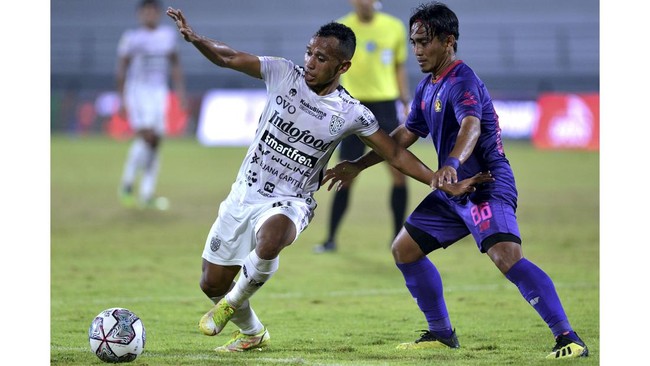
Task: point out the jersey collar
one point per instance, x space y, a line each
444 73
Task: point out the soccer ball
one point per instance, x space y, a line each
117 335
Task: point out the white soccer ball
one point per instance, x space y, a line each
117 335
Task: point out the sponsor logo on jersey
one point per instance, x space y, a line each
264 152
365 118
269 187
295 134
291 180
336 123
289 165
282 175
293 92
288 151
362 120
250 178
285 104
312 111
273 170
345 96
265 194
298 70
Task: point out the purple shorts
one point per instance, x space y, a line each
439 222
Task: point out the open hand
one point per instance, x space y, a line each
465 185
343 173
181 23
444 175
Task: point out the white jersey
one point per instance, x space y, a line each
297 134
149 50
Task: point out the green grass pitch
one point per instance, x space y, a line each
346 308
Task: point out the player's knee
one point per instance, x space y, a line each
505 254
213 288
396 252
275 234
405 253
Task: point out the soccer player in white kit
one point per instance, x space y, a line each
146 57
271 202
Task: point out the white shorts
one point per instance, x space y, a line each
233 234
146 107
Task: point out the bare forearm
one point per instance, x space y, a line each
367 160
470 130
217 52
224 56
402 160
393 149
410 165
402 137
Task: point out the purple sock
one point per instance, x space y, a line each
424 283
538 289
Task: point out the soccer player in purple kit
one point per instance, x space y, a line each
453 106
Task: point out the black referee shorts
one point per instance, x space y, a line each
352 147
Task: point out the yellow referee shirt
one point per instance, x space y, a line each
381 45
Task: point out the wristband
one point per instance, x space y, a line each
452 162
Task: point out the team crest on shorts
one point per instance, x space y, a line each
336 123
215 243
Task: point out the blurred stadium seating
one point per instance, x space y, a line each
519 48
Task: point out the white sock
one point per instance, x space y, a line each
150 174
244 317
134 160
254 273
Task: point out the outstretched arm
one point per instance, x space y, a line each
344 172
217 52
393 149
401 135
396 154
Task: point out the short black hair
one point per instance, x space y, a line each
345 35
438 20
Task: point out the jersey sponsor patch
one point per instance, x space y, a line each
288 151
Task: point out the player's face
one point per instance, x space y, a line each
150 16
323 65
364 8
431 54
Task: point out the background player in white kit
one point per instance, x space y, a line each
271 202
146 57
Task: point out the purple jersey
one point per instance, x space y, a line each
437 110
